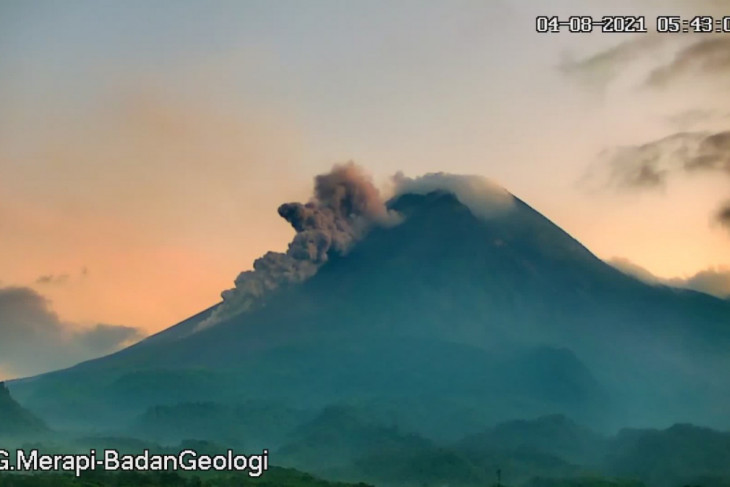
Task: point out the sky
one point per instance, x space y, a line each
145 146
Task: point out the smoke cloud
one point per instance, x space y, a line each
345 205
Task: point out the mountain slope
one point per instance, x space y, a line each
15 421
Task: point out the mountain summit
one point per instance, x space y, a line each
453 306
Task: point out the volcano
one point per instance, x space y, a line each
449 320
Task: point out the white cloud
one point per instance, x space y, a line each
713 280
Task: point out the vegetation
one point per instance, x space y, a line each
14 419
276 477
347 443
583 482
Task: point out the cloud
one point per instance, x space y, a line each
108 337
638 168
482 196
635 270
34 340
710 57
649 165
604 66
693 117
723 216
712 153
52 279
714 280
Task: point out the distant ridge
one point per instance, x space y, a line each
16 420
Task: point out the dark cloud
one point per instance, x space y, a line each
33 339
25 314
643 174
710 56
723 216
345 205
649 165
714 281
52 279
713 153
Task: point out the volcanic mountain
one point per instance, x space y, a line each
463 310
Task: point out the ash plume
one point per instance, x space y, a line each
345 205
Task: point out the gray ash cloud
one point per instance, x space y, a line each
344 207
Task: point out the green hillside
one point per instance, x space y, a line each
16 420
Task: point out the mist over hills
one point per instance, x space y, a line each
346 443
16 421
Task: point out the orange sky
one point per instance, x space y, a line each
143 153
